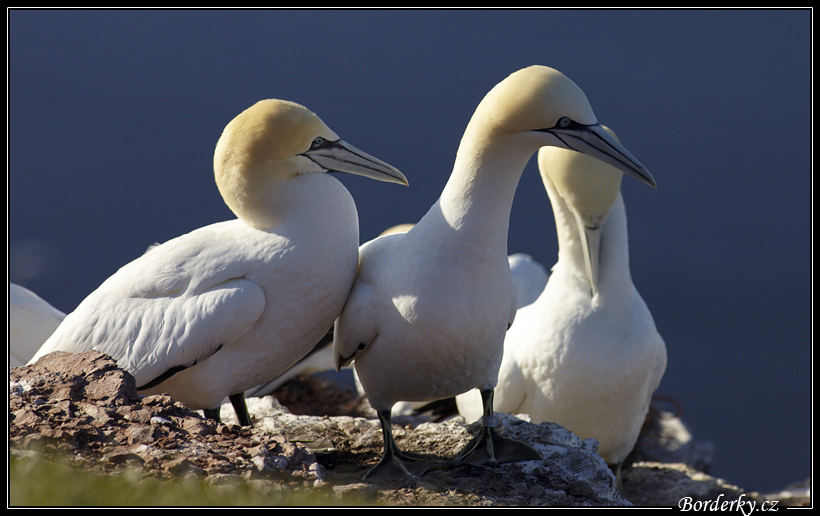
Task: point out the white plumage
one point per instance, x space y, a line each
232 305
427 315
32 320
586 354
319 359
529 277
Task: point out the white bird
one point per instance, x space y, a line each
232 305
319 359
32 320
529 277
586 354
427 315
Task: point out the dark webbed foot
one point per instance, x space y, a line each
396 465
401 466
489 447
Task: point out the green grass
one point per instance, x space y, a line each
39 482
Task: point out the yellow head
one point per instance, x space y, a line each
274 141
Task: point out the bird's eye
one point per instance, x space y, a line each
564 122
318 142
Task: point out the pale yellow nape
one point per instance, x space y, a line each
258 150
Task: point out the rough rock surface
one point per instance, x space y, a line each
84 405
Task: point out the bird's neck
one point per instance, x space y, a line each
614 268
477 199
305 200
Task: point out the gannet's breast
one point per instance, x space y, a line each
448 310
591 369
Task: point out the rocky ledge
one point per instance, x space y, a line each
322 437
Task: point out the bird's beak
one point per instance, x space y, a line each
591 247
340 156
594 141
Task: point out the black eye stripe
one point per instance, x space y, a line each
567 124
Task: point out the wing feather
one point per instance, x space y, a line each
172 307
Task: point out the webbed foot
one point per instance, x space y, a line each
396 465
491 447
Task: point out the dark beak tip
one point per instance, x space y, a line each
651 182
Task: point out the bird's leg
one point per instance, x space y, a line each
213 414
616 470
241 408
489 446
396 464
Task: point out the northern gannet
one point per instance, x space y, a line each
32 320
586 354
231 305
529 277
320 358
429 309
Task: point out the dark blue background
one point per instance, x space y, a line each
113 118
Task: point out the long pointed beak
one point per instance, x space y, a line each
594 141
340 156
591 247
